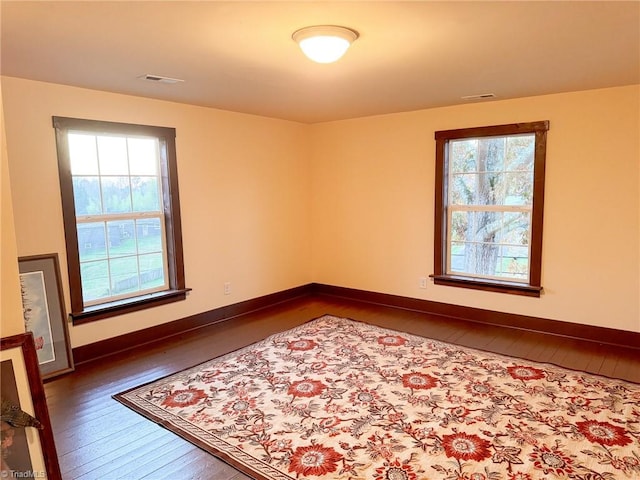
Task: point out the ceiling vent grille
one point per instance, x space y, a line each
160 79
481 96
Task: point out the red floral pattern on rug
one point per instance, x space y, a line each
314 460
339 399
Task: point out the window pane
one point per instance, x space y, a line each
462 155
457 256
490 156
122 238
520 152
460 225
475 258
95 280
463 189
491 188
515 262
463 225
477 171
112 152
86 195
485 227
116 194
124 275
519 188
151 271
475 236
143 156
149 235
490 243
92 242
516 228
83 155
146 194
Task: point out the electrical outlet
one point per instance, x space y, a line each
227 288
423 282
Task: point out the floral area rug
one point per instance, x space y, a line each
340 399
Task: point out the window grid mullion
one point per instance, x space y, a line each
95 139
489 208
118 216
135 235
108 248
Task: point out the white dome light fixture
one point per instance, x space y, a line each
324 43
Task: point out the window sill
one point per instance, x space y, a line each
512 288
112 309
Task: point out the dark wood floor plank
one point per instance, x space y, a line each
98 438
608 366
596 359
472 338
528 347
137 463
542 350
85 414
94 431
503 343
199 464
579 358
628 366
88 458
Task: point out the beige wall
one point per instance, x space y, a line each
243 179
11 321
269 204
373 201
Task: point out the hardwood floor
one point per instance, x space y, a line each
98 438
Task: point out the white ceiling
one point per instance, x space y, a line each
239 55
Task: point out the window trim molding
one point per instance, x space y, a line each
172 219
534 287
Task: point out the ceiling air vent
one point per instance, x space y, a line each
160 79
479 97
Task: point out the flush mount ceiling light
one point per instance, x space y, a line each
324 43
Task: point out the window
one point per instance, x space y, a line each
121 214
489 205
